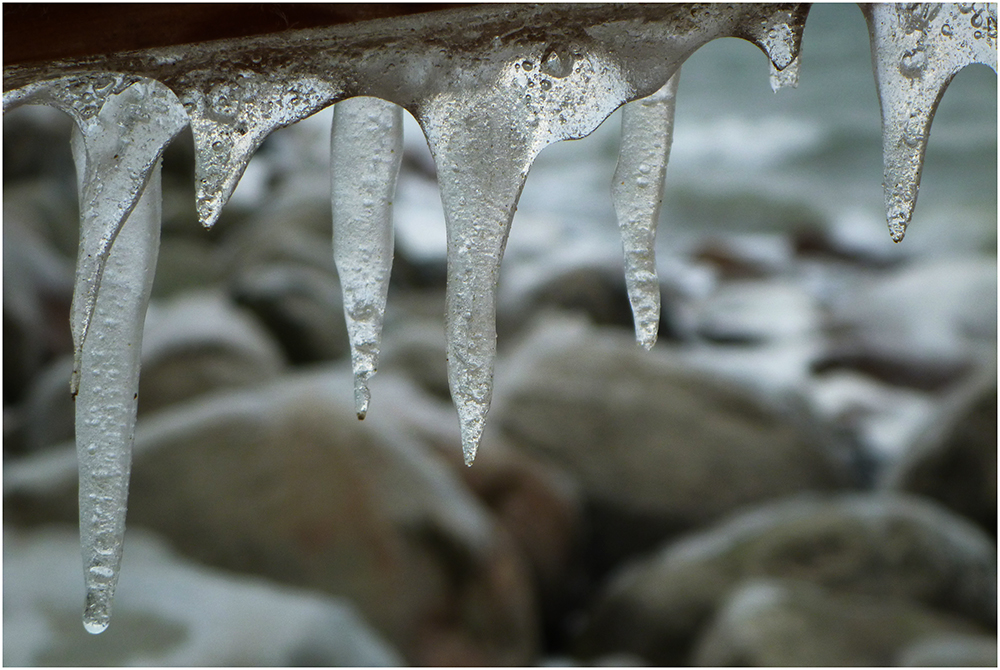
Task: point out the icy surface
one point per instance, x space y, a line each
916 51
109 379
637 189
366 150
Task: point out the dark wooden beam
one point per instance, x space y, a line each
49 31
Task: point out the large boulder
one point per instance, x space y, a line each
881 545
780 623
284 482
955 460
656 446
170 612
301 306
950 650
200 342
919 325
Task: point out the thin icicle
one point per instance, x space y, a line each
637 189
109 382
916 51
366 147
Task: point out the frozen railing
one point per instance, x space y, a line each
491 86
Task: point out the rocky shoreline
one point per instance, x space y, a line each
801 472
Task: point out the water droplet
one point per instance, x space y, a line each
947 30
545 84
95 627
528 66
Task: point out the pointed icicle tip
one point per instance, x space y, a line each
362 396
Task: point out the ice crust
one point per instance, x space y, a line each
491 86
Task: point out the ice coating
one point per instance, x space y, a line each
366 148
109 380
916 51
237 91
637 190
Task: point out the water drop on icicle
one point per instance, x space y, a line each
366 147
916 51
637 189
109 374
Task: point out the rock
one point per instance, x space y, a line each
750 311
951 651
538 506
170 612
753 256
301 306
37 291
418 349
655 446
940 315
884 546
184 264
955 460
284 482
48 408
595 290
779 623
199 343
36 144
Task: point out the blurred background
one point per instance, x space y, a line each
801 472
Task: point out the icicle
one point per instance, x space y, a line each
916 51
647 132
231 121
109 380
366 147
789 77
125 123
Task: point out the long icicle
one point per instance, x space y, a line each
482 161
637 189
108 392
916 51
366 147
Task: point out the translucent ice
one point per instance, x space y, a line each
124 124
637 189
109 381
366 149
232 117
916 51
